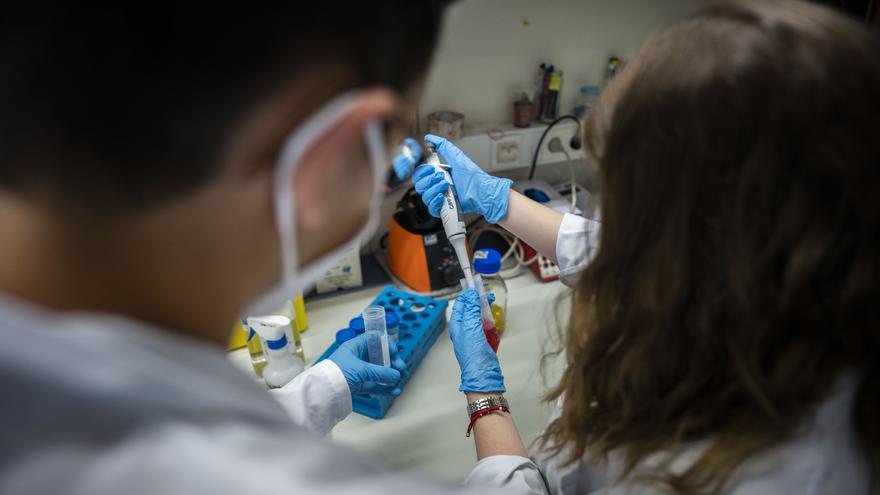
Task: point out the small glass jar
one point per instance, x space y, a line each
523 110
586 100
487 262
293 336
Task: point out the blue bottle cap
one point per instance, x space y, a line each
345 335
487 261
391 319
357 324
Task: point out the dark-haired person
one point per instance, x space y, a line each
163 171
725 326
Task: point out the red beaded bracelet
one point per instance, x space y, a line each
483 412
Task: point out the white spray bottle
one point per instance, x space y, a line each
282 365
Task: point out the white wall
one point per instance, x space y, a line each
486 53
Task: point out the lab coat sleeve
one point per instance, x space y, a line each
317 399
576 245
512 473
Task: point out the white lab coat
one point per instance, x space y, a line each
95 404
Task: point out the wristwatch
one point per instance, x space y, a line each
496 401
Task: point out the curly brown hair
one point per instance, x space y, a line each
738 273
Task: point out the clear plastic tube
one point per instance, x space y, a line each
485 308
488 320
458 244
377 336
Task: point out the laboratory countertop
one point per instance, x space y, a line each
424 431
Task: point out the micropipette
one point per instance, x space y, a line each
451 216
453 225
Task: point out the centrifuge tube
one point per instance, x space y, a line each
377 336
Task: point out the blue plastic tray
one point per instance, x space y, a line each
422 319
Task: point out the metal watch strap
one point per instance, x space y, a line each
495 401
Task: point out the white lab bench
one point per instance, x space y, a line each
424 429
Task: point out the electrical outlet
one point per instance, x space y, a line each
506 153
564 133
514 148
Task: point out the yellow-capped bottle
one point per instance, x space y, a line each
299 307
238 337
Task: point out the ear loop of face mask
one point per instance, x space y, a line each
374 137
374 140
295 278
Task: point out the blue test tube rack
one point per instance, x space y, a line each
422 320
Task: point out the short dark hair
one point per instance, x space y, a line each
131 103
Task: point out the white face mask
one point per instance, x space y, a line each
293 277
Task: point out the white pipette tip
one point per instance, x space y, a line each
468 277
458 245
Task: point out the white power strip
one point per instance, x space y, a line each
547 270
553 198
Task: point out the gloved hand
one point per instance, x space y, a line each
480 370
364 377
409 154
478 192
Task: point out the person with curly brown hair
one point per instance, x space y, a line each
724 334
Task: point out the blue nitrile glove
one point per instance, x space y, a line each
408 156
480 370
478 192
364 377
